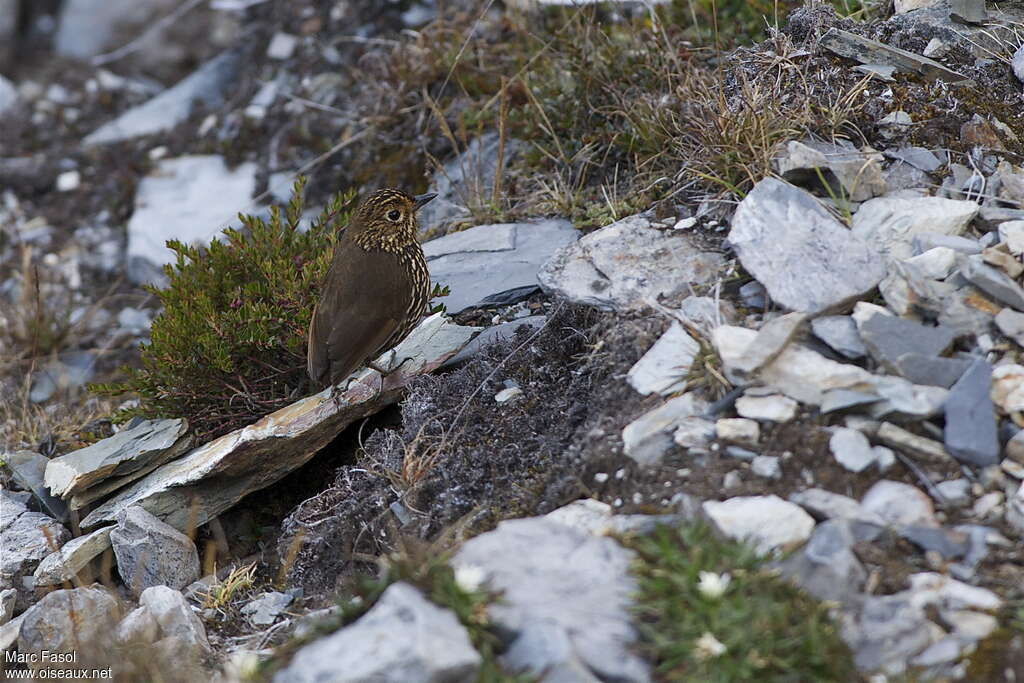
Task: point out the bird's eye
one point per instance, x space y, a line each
394 215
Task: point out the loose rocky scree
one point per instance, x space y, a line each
753 413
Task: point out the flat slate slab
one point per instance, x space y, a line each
196 487
190 198
490 259
117 460
787 240
626 265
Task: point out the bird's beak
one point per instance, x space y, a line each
421 199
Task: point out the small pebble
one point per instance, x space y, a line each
601 477
69 180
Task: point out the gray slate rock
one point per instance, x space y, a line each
85 28
887 338
918 157
851 449
787 240
971 432
8 94
466 181
666 365
886 631
28 468
71 558
1018 63
150 552
1011 323
556 578
490 259
180 644
867 51
647 438
826 566
403 638
934 370
771 340
265 609
840 333
844 170
80 620
626 265
208 85
190 199
889 224
8 597
926 241
948 543
493 335
993 282
25 541
123 457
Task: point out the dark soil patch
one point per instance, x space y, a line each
462 462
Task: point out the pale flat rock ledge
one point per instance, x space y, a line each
787 240
625 265
491 259
200 485
118 460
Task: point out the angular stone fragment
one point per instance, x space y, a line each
936 371
127 455
207 84
924 448
627 265
773 408
867 51
666 365
72 557
557 581
840 333
152 553
843 169
79 620
851 449
787 240
771 339
889 224
486 260
899 504
995 283
888 337
196 487
766 522
1011 323
647 438
971 432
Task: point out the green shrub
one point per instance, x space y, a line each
230 343
755 627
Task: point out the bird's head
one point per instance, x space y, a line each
390 214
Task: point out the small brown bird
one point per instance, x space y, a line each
375 291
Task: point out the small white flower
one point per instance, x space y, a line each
708 646
469 577
712 585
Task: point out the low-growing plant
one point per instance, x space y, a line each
425 566
709 610
230 343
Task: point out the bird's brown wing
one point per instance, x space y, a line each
362 304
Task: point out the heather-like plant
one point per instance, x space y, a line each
230 343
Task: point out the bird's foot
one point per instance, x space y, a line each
391 367
337 391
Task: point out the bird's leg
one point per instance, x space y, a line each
391 365
336 392
385 372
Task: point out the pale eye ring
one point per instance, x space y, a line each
394 215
